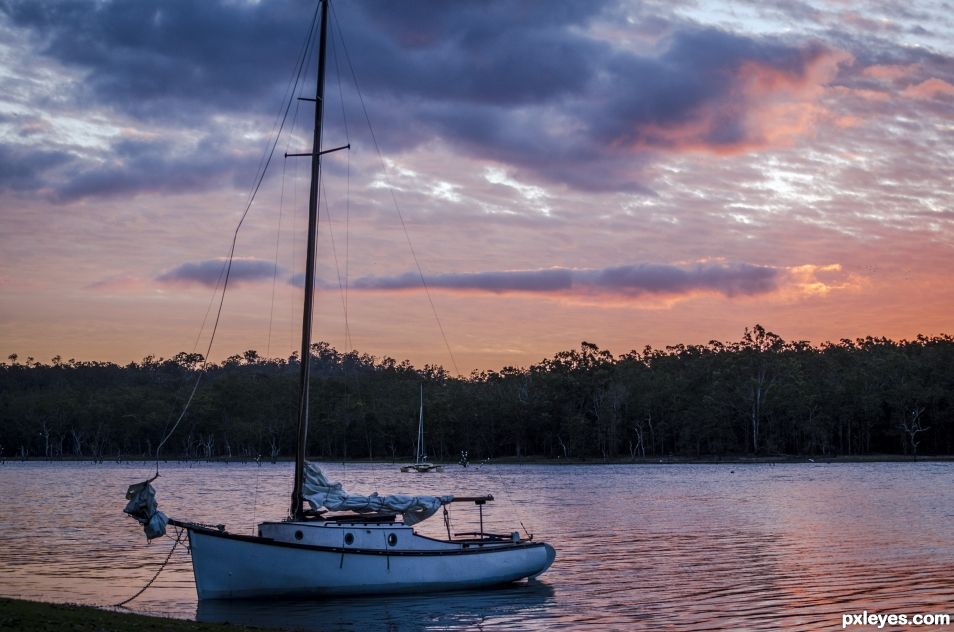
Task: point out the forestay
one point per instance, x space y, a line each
320 492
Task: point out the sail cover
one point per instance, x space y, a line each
320 492
143 507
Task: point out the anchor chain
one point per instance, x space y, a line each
179 532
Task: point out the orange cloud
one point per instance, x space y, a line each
785 104
929 89
774 106
847 121
863 93
890 72
810 280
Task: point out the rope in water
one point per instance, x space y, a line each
179 532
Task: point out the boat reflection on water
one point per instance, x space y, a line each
496 608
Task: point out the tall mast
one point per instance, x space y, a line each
420 430
297 504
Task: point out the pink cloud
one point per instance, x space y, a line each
890 72
118 283
773 105
929 89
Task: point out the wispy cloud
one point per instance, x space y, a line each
118 283
211 272
627 280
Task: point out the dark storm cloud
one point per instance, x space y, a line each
155 58
496 52
630 280
135 167
525 84
699 74
546 97
22 168
210 272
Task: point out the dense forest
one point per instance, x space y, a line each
758 396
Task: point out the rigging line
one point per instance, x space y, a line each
293 82
349 345
407 236
502 483
294 246
231 257
344 117
208 310
278 237
349 342
258 473
331 234
334 251
288 95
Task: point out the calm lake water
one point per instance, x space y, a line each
715 547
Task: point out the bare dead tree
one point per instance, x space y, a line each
911 426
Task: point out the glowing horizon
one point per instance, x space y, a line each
625 174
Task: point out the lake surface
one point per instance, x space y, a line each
677 547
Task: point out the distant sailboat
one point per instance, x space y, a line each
421 464
342 543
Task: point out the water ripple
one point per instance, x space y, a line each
688 547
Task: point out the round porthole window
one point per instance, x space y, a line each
299 535
349 538
392 539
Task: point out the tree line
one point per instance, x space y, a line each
758 396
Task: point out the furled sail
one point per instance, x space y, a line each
320 492
143 507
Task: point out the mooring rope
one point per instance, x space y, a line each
179 532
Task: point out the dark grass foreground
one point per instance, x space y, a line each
33 616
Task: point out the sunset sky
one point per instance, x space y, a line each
625 173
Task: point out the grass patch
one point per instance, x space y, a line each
34 616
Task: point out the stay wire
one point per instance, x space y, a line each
347 258
278 239
352 383
278 235
334 251
397 208
228 267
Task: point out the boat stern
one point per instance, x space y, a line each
551 555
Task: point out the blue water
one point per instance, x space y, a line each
678 547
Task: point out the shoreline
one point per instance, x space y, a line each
40 616
511 460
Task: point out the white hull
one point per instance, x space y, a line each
229 566
422 468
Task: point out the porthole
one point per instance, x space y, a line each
392 539
349 538
299 535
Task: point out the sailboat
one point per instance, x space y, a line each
421 464
341 543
